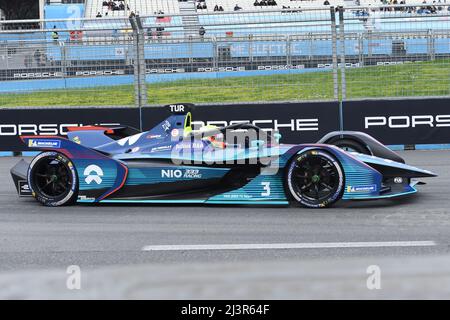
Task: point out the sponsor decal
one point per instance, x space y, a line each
294 125
366 188
24 189
177 173
84 198
282 67
330 65
76 140
38 75
153 136
166 125
193 174
99 73
44 129
189 145
398 180
413 121
175 132
221 69
93 173
165 70
44 143
161 148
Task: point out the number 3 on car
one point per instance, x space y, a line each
266 187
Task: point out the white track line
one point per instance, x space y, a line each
263 246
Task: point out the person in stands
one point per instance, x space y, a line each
55 35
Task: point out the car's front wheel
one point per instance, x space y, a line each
315 179
53 179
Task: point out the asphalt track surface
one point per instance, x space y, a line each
36 237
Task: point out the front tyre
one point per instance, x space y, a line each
315 179
53 179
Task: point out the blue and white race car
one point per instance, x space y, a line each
238 164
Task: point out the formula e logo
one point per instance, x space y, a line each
93 173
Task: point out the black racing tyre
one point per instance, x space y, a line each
351 146
315 179
53 179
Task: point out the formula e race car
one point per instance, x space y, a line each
236 164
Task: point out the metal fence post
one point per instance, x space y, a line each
334 53
140 87
431 45
342 53
288 51
64 62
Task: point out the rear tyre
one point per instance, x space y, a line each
351 146
53 179
315 179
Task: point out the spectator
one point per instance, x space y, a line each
326 3
55 35
201 33
216 7
237 8
221 8
132 14
99 15
159 32
256 3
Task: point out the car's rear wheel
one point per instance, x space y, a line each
315 179
53 179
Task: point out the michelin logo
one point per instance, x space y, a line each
36 143
368 188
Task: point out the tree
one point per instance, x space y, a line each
20 9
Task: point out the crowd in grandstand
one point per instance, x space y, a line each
116 5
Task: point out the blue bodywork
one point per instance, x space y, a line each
172 164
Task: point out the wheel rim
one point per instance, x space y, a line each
315 178
52 177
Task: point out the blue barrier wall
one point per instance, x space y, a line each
26 86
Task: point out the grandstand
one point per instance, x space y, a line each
171 7
141 7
